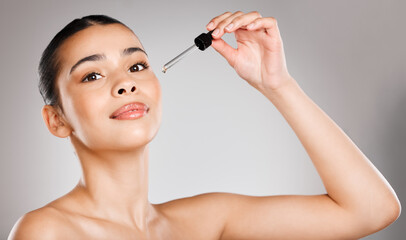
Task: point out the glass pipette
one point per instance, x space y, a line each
202 42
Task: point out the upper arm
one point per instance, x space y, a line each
41 224
291 217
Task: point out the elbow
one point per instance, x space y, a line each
394 210
385 216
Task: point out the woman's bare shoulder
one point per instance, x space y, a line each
43 223
203 215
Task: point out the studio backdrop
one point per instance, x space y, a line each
218 134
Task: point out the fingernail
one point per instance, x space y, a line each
230 26
250 26
210 25
215 32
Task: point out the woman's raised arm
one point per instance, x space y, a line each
359 201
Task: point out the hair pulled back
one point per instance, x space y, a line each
49 64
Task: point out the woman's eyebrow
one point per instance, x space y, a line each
98 57
131 50
94 57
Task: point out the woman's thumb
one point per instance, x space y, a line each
225 50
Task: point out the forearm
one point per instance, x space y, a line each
349 177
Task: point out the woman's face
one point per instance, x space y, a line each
116 74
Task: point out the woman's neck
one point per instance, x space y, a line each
114 186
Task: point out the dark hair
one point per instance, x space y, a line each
49 66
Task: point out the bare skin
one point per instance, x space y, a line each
111 198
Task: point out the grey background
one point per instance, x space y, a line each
217 133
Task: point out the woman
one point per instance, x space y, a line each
100 92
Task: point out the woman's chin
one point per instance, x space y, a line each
129 142
122 139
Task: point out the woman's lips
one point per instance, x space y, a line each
131 115
130 111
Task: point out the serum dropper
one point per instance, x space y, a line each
202 42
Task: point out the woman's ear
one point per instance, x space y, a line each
55 123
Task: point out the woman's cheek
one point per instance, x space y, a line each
156 89
86 114
155 93
158 104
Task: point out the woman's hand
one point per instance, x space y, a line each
259 57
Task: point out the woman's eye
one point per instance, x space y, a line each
91 77
137 67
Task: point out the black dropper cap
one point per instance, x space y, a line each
204 40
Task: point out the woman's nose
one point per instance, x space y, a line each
124 88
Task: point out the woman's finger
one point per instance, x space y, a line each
269 24
242 21
219 28
213 23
